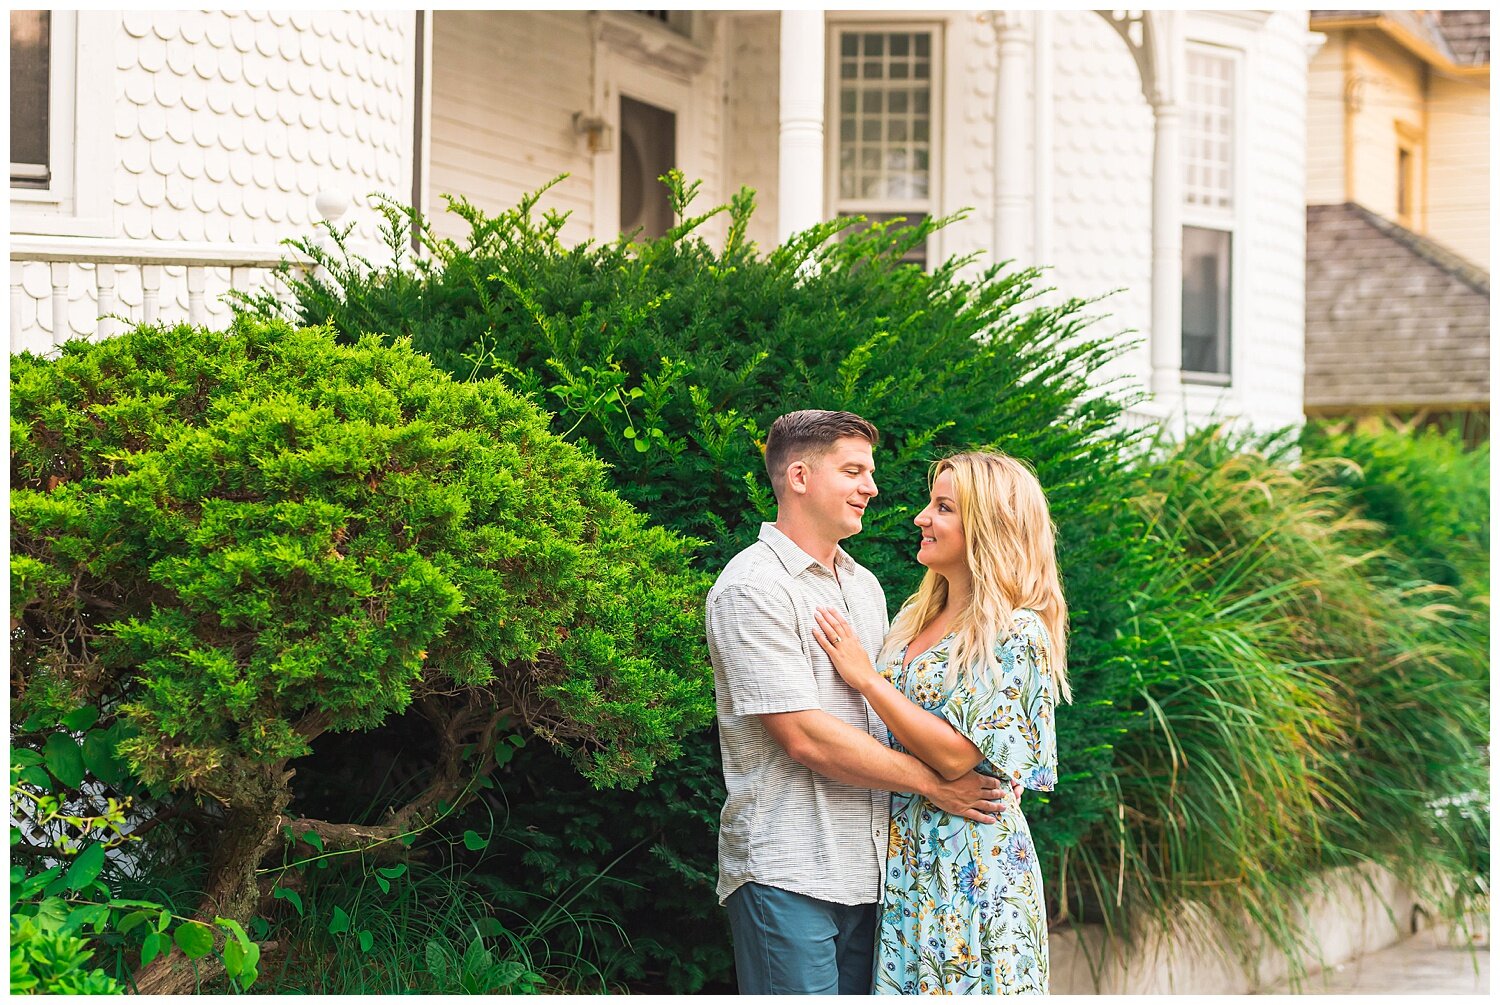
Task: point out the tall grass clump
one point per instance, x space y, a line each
1303 710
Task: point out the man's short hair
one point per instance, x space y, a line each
809 434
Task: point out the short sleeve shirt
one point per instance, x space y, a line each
784 825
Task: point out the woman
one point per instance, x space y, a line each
969 676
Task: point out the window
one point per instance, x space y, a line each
1209 205
30 98
648 150
884 143
680 21
62 77
1408 150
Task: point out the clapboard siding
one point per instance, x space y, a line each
1389 88
514 78
1325 122
1458 191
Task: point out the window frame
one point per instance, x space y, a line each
1232 220
869 21
1408 142
626 67
79 198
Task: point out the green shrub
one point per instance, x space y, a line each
1428 491
238 541
52 962
1222 599
671 359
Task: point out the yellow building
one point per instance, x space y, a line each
1398 215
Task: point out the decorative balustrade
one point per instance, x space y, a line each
71 287
144 264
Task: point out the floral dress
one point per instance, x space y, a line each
962 912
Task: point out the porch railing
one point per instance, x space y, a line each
125 280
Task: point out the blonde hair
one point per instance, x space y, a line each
1010 547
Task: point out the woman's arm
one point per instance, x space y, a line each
928 736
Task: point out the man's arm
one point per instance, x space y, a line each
837 750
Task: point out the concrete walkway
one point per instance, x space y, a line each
1418 965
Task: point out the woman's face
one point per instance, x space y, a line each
942 546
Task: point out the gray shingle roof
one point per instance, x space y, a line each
1461 35
1468 35
1393 319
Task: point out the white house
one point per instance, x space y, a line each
1158 153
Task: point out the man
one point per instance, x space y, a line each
802 836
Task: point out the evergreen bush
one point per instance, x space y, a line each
1233 636
671 358
238 541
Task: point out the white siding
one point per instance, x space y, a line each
227 125
1103 136
505 85
752 111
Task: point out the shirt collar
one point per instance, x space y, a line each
793 558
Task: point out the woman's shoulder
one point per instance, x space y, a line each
1026 628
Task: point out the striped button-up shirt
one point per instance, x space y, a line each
784 825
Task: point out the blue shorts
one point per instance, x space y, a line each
790 944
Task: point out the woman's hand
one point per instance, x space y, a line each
848 657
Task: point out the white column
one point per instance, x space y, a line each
799 196
1166 207
1012 202
1041 139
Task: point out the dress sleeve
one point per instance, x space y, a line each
1008 715
753 637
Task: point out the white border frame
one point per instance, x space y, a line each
840 21
621 71
79 201
1230 44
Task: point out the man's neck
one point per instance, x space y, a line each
803 534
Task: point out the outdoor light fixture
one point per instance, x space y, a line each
596 129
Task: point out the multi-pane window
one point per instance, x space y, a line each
30 98
1208 151
885 134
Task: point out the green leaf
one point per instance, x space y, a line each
163 920
489 927
474 842
290 896
86 866
81 718
366 940
340 922
383 883
96 915
234 959
194 938
23 756
37 778
437 961
131 921
393 871
234 928
64 759
152 947
629 432
35 883
312 838
100 758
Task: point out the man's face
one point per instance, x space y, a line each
840 484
